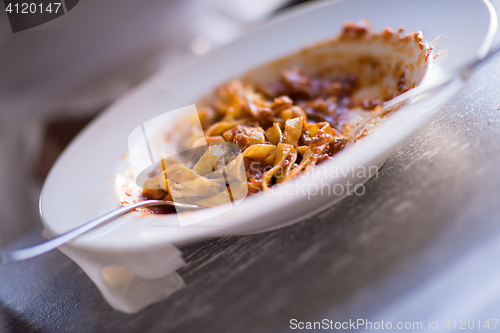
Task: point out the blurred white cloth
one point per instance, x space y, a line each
79 63
130 281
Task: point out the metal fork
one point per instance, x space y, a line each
461 73
34 251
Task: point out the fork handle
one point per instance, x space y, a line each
34 251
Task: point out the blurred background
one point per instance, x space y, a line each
57 76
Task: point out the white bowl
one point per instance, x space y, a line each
81 185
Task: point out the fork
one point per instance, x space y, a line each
34 251
461 73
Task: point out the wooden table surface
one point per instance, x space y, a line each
420 244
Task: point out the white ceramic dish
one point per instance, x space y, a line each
81 185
